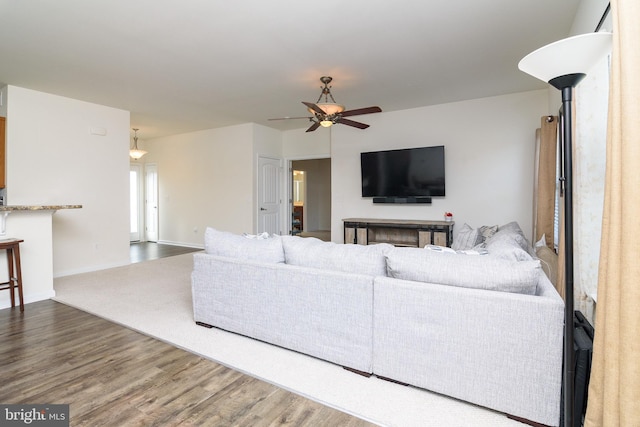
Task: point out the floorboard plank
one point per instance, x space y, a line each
114 376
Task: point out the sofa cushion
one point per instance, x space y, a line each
315 253
480 272
222 243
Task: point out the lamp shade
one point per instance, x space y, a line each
573 55
136 154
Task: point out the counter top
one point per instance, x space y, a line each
12 208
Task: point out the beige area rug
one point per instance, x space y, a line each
154 297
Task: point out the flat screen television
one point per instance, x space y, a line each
411 172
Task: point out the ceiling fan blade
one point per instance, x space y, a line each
359 111
353 123
290 118
314 107
313 127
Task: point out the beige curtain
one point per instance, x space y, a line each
614 390
546 185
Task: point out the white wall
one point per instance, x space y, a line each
207 178
53 159
489 154
298 144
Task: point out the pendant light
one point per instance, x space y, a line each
136 153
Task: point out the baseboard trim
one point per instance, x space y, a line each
182 244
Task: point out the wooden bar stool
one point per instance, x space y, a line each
12 246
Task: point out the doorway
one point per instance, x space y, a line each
269 200
135 202
151 202
143 202
310 201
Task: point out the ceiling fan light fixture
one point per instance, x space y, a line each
330 108
327 114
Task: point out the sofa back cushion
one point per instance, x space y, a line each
480 272
222 243
348 258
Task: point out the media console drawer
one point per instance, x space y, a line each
409 233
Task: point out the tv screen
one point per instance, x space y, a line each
411 172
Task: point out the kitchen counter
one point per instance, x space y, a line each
6 210
34 225
11 208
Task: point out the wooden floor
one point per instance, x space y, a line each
145 251
113 376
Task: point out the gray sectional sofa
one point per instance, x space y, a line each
486 329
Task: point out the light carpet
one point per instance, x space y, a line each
154 297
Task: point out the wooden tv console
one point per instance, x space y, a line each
398 232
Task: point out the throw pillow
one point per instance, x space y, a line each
489 273
222 243
467 238
264 235
487 231
509 242
512 227
478 250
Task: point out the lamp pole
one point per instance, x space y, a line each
569 371
566 84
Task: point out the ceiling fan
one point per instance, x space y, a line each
327 113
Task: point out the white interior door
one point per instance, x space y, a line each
135 201
269 200
151 202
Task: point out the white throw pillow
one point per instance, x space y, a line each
264 235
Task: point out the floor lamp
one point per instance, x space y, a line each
563 65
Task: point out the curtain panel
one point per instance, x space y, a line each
546 180
614 387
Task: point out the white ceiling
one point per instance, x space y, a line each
187 65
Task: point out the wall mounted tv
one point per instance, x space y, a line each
411 175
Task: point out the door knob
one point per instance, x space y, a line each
262 209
